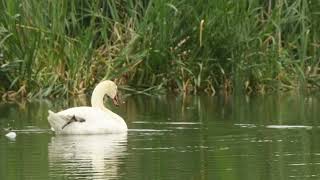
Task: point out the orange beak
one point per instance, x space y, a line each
116 100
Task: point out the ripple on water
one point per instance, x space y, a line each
32 129
275 126
288 127
149 130
246 125
165 122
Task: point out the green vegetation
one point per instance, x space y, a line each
60 48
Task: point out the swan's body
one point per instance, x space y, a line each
90 120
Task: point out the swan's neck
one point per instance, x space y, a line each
98 95
97 101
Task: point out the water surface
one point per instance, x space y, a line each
170 137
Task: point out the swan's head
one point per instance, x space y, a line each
111 90
108 88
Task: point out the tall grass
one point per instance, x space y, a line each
61 48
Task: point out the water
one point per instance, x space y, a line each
170 137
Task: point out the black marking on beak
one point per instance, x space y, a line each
116 100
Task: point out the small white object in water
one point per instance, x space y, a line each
52 129
11 135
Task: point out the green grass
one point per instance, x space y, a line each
62 48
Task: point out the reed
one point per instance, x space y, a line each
60 48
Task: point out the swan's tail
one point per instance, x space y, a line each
55 121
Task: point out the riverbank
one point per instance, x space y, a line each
53 48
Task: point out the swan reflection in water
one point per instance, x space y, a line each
81 156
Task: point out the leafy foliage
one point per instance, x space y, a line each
58 48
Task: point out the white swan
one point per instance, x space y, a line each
90 120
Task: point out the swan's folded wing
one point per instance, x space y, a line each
85 120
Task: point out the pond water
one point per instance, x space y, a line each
170 137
